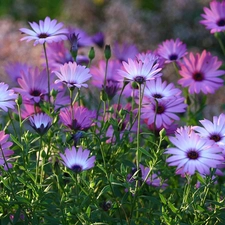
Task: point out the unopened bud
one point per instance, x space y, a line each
107 52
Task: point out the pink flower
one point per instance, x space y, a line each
5 152
33 85
163 113
172 50
46 31
78 118
200 73
214 17
73 75
7 97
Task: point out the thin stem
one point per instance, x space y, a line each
220 43
48 72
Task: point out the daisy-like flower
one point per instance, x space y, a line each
193 153
33 85
78 118
163 112
5 152
213 130
78 160
124 52
73 75
40 122
46 31
7 97
200 73
172 50
159 90
139 71
214 17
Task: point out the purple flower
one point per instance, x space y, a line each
99 39
58 55
73 75
7 97
77 118
34 85
151 179
5 152
15 70
139 71
46 31
172 50
214 18
193 153
124 52
78 160
200 73
156 89
163 112
214 131
40 123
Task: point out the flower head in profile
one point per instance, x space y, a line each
214 17
40 122
139 71
172 50
193 153
213 130
200 73
7 97
73 75
78 160
46 31
5 152
78 118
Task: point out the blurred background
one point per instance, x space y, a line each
145 23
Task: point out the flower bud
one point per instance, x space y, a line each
107 52
91 54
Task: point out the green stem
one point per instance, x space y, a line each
48 72
220 43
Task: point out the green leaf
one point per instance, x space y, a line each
104 190
145 152
162 198
172 207
15 141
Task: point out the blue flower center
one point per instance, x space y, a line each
76 168
192 154
35 93
221 22
139 79
173 57
160 109
157 96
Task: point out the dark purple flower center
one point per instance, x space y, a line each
215 137
75 125
76 168
173 57
221 22
139 79
43 35
157 96
35 93
192 154
160 109
198 76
